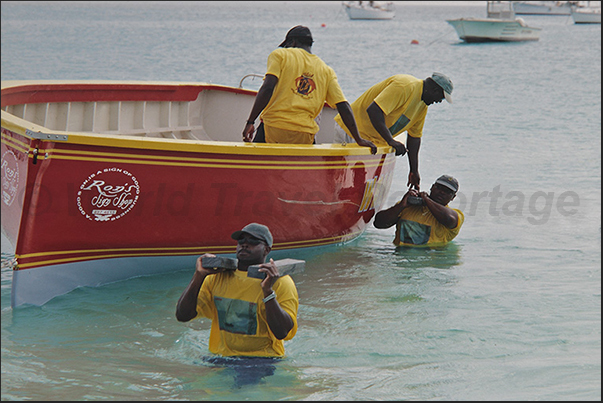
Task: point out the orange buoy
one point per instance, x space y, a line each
414 42
323 25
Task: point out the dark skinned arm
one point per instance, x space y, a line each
186 309
347 116
261 100
377 118
387 218
414 143
279 321
445 215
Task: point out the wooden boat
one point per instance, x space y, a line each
370 10
501 25
106 180
542 7
587 14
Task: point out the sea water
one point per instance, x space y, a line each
510 310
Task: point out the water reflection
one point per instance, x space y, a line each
439 257
246 371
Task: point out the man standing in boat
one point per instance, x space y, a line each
396 104
250 317
296 86
424 219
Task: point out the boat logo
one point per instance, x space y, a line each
305 84
10 177
108 194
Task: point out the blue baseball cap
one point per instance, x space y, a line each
444 82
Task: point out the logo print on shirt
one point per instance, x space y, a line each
305 84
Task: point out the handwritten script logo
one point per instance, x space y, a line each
10 177
108 194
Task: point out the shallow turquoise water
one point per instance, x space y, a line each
511 310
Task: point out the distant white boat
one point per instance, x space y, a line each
370 10
501 25
542 7
587 14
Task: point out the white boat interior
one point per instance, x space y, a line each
216 115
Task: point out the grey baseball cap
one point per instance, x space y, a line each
449 182
444 82
256 230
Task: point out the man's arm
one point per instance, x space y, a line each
186 309
387 218
377 117
347 116
444 214
414 143
279 321
261 100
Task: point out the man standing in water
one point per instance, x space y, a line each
424 219
250 317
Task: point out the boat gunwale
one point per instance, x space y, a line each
29 129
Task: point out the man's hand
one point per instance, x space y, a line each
205 271
272 275
248 132
366 143
413 180
399 147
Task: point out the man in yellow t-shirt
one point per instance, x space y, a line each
250 317
396 104
296 86
424 219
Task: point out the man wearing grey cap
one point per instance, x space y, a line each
250 317
397 104
296 86
424 219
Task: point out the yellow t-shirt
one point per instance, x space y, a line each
305 83
417 226
399 97
234 304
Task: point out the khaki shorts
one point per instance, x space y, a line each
275 135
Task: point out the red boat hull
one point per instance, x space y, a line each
70 202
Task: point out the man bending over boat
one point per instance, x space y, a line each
296 86
250 317
424 219
396 104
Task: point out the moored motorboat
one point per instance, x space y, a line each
501 25
106 180
370 10
587 13
542 7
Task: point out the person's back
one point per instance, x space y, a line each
296 86
399 97
305 82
